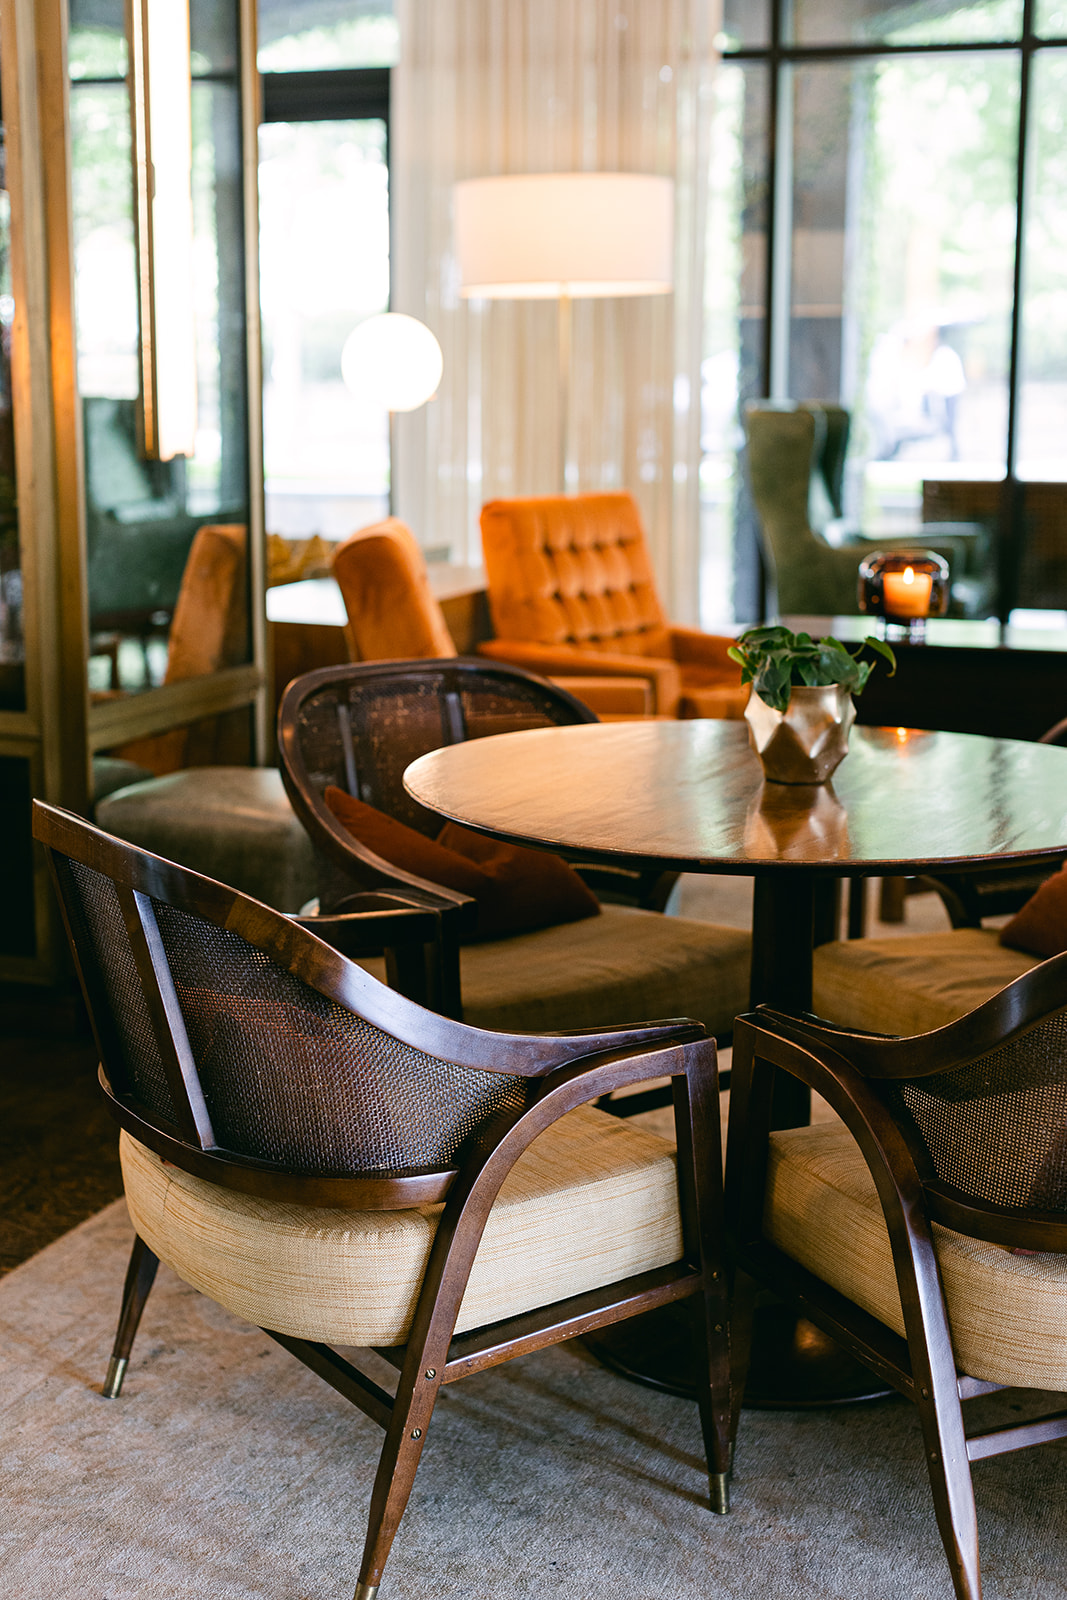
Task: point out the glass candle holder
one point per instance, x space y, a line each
904 587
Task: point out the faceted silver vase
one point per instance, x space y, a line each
808 740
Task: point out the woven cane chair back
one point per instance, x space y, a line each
358 727
982 1103
995 1128
276 1071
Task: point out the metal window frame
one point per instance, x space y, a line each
782 57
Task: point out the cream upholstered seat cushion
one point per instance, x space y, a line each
913 983
592 1201
1008 1313
624 966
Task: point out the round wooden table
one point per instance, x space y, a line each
691 796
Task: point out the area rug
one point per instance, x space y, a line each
228 1471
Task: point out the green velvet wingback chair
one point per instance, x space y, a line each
796 464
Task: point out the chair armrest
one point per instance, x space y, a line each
610 697
421 961
370 923
692 648
349 869
561 660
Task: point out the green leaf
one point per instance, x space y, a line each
771 683
773 660
880 648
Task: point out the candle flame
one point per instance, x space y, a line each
909 575
902 735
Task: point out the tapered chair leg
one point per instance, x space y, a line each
397 1465
712 1349
742 1313
953 1490
696 1105
140 1276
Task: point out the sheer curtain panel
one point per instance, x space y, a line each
508 86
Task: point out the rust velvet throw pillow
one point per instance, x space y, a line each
516 890
1040 926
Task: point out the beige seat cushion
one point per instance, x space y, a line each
1008 1313
592 1201
623 966
914 983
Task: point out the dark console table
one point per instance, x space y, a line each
969 677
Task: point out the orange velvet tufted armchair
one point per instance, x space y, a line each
571 590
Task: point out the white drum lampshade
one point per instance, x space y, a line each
566 234
392 360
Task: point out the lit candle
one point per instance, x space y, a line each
907 593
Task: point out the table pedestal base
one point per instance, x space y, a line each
794 1366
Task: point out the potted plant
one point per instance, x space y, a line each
800 710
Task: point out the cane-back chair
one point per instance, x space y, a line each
927 1229
358 727
340 1167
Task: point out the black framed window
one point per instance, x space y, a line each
324 267
901 168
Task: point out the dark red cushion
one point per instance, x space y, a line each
517 890
1040 926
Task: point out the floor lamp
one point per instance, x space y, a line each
565 236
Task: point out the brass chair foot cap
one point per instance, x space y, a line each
116 1371
366 1591
719 1483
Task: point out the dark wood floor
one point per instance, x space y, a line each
58 1146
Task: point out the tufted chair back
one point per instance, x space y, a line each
573 569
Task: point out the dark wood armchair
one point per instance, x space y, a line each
340 1167
358 728
927 1230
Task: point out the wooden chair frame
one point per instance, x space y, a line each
564 1072
850 1071
365 869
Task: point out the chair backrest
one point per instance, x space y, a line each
829 466
208 631
995 1127
794 482
240 1047
392 613
821 447
572 569
358 727
984 1104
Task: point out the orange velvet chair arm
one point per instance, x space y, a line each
565 660
692 648
611 698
